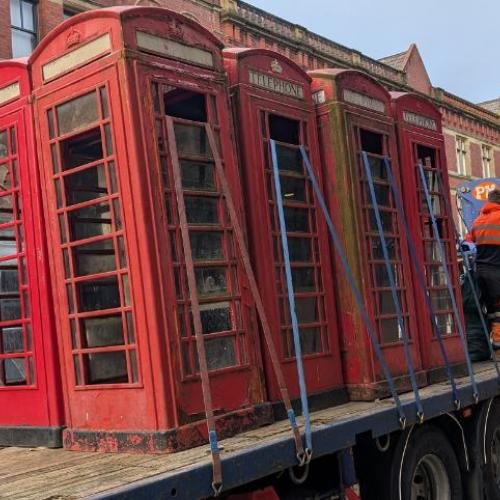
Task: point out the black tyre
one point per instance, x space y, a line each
492 449
429 469
419 464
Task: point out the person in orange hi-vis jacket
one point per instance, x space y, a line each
485 234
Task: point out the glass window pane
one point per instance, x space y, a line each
293 188
10 309
206 245
389 330
220 353
90 221
85 185
296 220
98 294
9 282
201 210
15 13
12 339
28 15
440 300
377 248
215 317
211 281
192 140
77 113
22 43
106 367
289 159
4 145
386 304
197 176
104 331
386 218
310 340
5 178
299 249
93 258
15 371
307 311
303 279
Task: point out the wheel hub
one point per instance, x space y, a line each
430 480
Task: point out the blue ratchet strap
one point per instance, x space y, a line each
421 279
354 287
291 302
444 265
469 277
392 282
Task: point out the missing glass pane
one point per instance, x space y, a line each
426 156
371 142
289 159
283 129
81 149
102 331
185 104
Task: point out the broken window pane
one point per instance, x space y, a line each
106 367
102 331
77 113
185 104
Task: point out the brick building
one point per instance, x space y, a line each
472 131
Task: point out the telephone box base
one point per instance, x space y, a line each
169 441
380 389
438 374
319 401
30 436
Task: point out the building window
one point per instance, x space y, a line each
461 155
23 26
486 160
69 12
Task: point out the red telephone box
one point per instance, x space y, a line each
271 97
126 100
420 137
354 114
30 388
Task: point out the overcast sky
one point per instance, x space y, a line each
459 40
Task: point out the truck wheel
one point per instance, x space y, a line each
430 469
492 443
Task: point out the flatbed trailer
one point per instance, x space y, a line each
257 455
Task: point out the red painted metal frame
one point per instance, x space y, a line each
339 124
423 128
251 105
37 403
169 410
